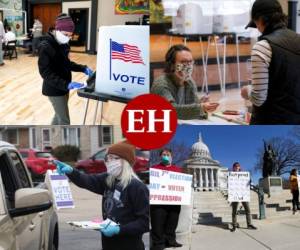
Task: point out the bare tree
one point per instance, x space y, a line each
287 153
180 152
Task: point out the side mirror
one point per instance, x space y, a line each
30 200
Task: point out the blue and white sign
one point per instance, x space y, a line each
59 186
170 188
123 61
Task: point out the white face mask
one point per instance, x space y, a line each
114 167
185 69
61 38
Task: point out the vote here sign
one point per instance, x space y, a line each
238 186
123 61
170 188
60 189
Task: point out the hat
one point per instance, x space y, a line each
64 22
124 150
261 8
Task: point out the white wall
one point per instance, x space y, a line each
107 16
80 5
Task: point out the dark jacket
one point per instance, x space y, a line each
282 105
55 66
130 210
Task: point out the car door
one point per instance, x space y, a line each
28 227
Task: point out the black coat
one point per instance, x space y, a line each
55 66
130 208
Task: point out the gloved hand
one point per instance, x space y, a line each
89 72
63 168
76 85
110 230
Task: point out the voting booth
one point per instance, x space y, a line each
123 61
238 186
170 188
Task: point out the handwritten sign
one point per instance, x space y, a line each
170 188
238 186
59 187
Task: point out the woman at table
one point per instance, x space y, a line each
55 68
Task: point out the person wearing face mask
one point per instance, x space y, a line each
178 86
164 218
275 88
125 198
56 68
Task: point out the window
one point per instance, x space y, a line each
43 155
10 185
100 155
20 169
46 137
12 136
32 138
24 154
71 136
105 135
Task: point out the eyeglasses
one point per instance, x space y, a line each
111 158
185 62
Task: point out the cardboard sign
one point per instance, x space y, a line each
123 61
59 187
170 188
238 186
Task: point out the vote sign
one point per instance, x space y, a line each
239 186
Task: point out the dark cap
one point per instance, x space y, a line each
261 8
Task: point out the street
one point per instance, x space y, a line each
87 207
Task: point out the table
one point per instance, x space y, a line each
99 97
212 36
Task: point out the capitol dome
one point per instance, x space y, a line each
200 149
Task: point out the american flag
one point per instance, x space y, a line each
126 52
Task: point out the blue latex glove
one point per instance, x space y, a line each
110 230
75 85
88 71
63 168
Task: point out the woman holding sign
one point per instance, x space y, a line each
164 218
125 202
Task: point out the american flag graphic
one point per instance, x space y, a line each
126 52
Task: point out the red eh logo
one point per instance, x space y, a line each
149 121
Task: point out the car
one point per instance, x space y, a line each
28 220
38 162
95 163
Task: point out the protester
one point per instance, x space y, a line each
125 198
234 205
56 68
294 190
164 218
178 86
275 88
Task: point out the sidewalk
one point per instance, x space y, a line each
279 234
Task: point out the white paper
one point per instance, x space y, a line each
238 186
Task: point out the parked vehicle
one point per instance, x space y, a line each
38 162
96 164
28 220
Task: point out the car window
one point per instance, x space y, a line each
100 155
43 155
20 169
9 182
24 154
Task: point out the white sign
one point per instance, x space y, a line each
59 187
123 61
170 188
238 186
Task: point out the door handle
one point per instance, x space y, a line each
32 226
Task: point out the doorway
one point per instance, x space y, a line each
47 14
80 19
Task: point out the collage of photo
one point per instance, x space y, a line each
149 124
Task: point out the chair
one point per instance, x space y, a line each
10 50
